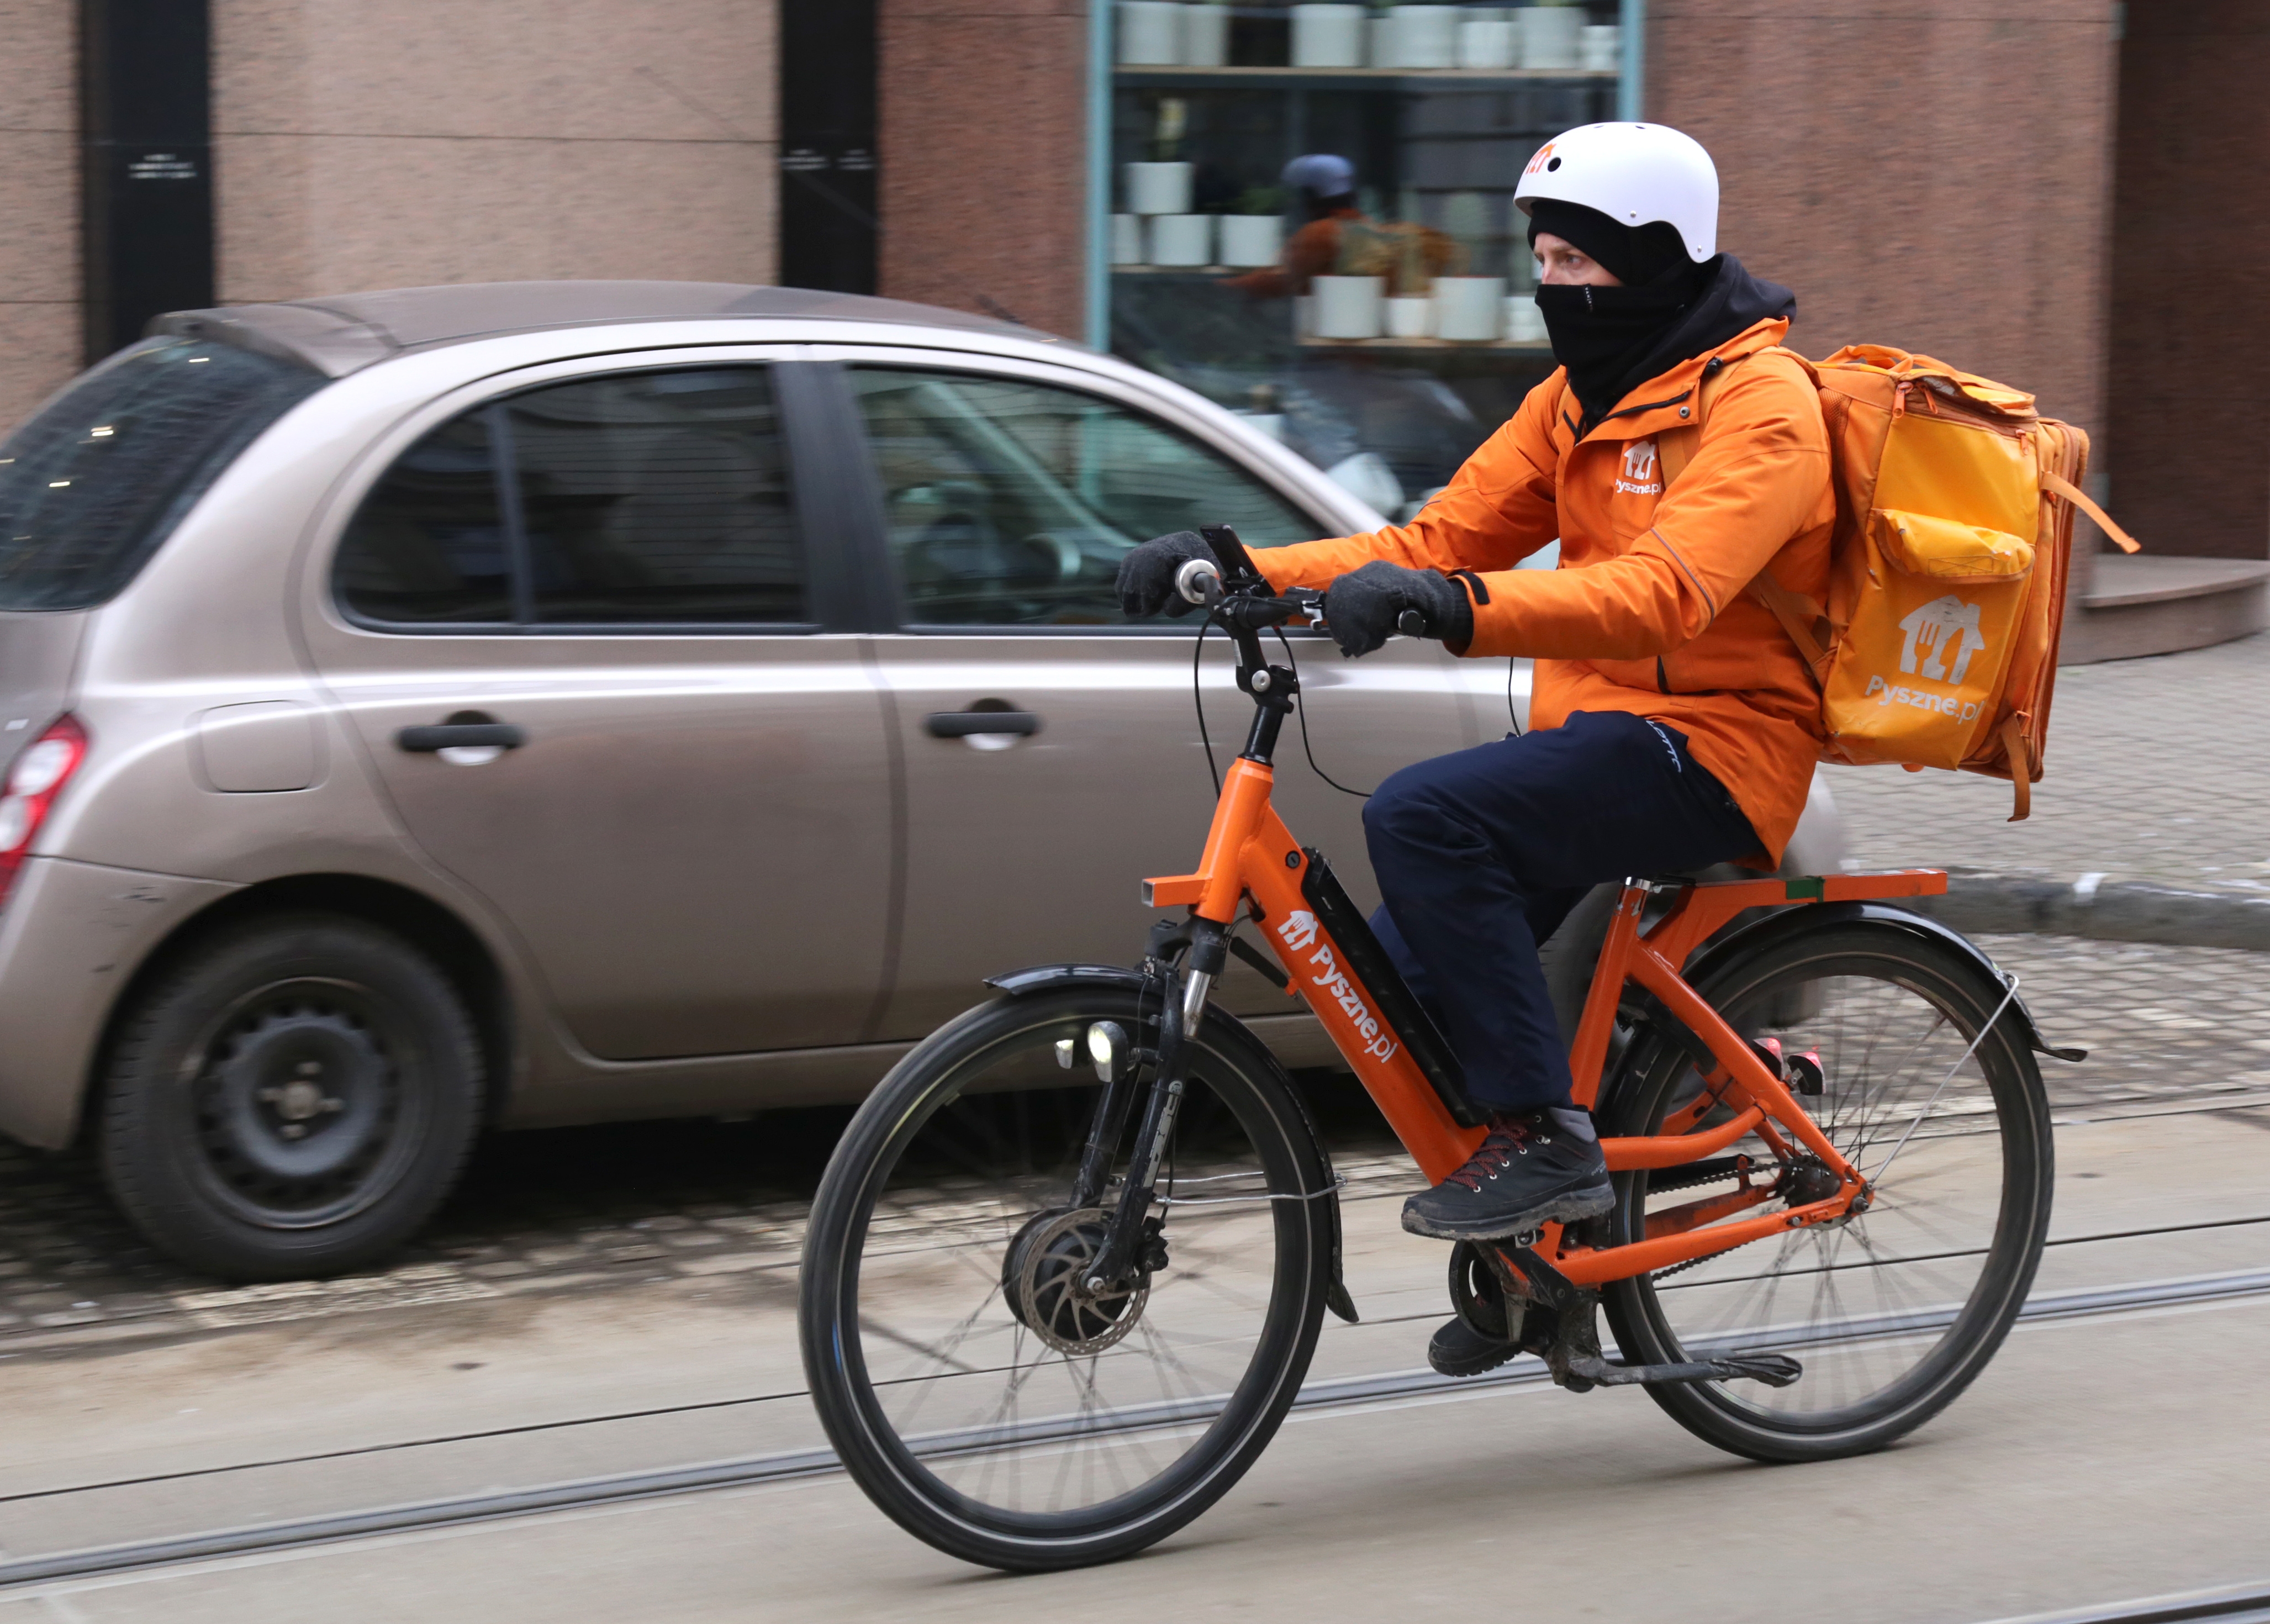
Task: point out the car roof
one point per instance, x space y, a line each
343 333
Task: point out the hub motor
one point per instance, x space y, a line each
1044 1272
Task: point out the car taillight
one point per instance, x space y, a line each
33 782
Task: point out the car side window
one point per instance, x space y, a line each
641 497
658 496
1010 503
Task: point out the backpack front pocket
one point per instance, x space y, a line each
1917 668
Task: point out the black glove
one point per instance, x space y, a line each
1360 609
1147 574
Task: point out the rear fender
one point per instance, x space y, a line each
1063 977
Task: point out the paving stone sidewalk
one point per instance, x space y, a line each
2158 770
628 1205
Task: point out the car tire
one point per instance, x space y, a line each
289 1098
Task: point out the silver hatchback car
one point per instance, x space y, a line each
553 702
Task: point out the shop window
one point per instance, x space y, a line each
1312 217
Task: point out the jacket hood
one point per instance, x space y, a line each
1731 303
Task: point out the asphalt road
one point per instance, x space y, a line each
2104 1454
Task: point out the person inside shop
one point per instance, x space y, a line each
1322 188
1673 724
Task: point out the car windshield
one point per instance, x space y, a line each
91 485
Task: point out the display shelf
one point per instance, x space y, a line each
1430 346
1165 78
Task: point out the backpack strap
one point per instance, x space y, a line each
2019 751
2058 485
1800 615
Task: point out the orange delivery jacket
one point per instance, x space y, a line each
1649 612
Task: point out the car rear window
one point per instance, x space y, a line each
91 485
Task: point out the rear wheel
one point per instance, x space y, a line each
292 1097
970 1387
1892 1312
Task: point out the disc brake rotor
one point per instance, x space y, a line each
1044 1278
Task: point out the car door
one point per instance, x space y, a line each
1053 755
580 627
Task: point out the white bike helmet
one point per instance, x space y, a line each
1634 174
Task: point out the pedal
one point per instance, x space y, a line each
1807 1075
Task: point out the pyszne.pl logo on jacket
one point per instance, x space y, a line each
1943 626
1640 474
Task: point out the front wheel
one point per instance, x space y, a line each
974 1393
1893 1312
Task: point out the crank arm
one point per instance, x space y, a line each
1774 1369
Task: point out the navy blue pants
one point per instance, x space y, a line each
1480 855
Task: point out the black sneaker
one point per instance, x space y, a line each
1527 1172
1458 1349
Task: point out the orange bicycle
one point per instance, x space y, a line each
1039 1340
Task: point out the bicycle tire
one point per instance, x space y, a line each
2001 1095
1236 1070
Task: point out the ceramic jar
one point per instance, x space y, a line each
1349 307
1150 31
1327 36
1551 37
1251 239
1469 309
1206 35
1422 36
1158 188
1182 239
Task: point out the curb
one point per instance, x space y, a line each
1985 903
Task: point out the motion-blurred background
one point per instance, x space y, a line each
2051 192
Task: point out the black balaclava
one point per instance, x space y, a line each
1600 334
1670 309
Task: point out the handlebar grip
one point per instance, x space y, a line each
1411 623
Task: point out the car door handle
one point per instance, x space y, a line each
460 735
963 723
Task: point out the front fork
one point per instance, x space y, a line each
1183 999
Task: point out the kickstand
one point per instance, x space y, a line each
1563 1329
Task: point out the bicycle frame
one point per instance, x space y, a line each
1252 865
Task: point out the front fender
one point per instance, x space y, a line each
1785 922
1056 977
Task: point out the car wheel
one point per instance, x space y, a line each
292 1097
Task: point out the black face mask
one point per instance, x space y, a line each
1600 334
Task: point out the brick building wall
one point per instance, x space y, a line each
2188 446
39 203
1930 173
983 142
364 143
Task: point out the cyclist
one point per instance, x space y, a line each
1673 723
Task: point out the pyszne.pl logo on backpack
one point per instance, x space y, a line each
1943 627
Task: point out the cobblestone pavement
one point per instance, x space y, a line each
2158 769
580 1209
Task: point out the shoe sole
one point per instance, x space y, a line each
1477 1366
1564 1209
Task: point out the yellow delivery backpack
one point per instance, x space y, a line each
1954 502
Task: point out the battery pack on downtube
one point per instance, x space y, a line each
1421 1039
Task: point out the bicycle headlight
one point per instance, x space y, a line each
1107 1049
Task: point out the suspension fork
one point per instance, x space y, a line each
1182 1005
